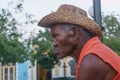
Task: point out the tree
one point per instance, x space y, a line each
113 43
12 50
112 25
41 49
112 35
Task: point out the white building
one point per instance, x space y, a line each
65 68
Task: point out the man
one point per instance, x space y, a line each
76 35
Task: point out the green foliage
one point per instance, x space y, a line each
42 50
112 25
112 36
113 43
12 50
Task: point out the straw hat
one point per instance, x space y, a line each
73 15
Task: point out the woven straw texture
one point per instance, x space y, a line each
73 15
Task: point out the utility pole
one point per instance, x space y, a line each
64 66
97 13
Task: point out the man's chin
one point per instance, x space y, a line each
59 57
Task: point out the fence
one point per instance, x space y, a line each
7 72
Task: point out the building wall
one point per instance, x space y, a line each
32 71
7 72
25 71
64 68
22 71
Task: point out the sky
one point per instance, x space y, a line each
40 8
43 7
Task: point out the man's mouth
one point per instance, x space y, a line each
56 53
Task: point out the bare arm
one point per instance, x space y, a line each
92 68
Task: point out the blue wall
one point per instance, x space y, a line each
22 71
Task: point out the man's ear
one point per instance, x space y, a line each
75 34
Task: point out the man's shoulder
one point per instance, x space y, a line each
91 67
92 61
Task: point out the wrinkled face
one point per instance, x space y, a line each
63 41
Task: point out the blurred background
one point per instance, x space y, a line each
25 49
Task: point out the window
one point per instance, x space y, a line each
7 72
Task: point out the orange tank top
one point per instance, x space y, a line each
95 46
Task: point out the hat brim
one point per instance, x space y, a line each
58 17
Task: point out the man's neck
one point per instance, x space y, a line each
79 47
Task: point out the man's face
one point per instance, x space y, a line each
63 41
